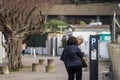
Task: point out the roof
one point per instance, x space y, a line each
85 9
92 28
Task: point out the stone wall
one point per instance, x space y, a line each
114 54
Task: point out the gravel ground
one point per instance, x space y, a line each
59 74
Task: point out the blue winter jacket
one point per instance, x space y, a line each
71 56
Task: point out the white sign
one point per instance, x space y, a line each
93 51
93 55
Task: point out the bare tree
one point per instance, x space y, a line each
17 22
45 6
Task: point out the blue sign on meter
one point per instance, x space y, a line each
93 49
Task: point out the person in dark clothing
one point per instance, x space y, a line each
71 56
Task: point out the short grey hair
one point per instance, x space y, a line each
80 37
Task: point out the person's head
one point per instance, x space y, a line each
23 42
72 41
80 39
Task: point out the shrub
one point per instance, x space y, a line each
55 23
82 23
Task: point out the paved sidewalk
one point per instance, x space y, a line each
59 74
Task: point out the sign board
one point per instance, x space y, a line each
105 37
93 57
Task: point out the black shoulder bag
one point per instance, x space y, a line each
84 64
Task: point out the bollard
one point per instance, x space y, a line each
50 62
35 67
42 61
50 65
4 69
50 69
105 75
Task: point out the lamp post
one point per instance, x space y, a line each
114 31
115 22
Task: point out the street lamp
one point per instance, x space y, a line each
115 22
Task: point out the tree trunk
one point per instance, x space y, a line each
14 57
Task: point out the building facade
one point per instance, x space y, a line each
73 14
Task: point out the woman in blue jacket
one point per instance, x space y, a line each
71 57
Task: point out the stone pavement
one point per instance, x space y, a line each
59 74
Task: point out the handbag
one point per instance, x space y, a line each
84 64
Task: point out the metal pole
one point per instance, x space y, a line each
31 50
34 52
114 27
